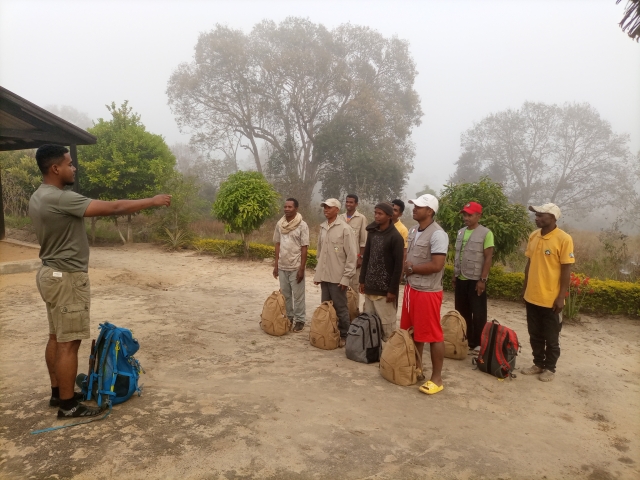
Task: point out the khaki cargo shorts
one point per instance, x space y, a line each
67 296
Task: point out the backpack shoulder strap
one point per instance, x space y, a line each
501 336
484 339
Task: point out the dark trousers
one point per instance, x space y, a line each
333 292
473 308
544 334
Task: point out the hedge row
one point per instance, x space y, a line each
607 297
234 248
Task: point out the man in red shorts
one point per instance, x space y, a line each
424 267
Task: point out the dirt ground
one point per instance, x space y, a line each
222 399
12 253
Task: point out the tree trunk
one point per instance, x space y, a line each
124 242
129 232
245 244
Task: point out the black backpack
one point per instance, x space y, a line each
498 350
364 339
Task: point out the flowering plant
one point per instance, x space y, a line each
578 289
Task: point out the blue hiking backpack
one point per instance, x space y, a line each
113 371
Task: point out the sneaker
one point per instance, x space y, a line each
532 370
80 410
546 376
55 402
298 327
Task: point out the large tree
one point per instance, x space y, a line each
282 87
127 162
548 153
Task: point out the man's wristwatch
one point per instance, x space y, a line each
410 270
484 280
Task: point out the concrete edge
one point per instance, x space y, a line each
21 266
21 243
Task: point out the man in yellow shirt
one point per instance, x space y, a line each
546 282
398 210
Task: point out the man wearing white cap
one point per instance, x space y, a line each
337 255
424 266
546 281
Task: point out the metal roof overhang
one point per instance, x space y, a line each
25 125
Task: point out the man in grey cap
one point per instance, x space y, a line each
337 254
382 265
546 282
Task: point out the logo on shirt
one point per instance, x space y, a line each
547 252
571 255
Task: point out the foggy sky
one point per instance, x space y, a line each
473 57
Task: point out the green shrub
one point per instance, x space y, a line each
234 247
605 297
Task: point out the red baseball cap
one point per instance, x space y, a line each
472 207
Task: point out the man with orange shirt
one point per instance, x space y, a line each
546 281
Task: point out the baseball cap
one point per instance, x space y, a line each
331 202
472 207
426 200
551 208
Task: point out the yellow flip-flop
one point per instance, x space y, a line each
431 388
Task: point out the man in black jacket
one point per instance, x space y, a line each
382 268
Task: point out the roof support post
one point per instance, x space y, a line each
73 150
2 232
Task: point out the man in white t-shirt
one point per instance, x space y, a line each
424 268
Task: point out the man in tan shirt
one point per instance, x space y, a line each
358 224
336 267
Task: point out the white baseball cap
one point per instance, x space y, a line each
551 208
426 200
331 202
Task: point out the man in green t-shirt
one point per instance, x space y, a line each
474 253
58 215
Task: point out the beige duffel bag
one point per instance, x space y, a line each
454 328
400 362
324 327
274 319
352 304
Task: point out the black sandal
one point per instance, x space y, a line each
80 410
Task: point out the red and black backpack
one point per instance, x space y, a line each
499 348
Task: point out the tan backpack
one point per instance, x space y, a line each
274 319
400 360
454 328
324 327
352 304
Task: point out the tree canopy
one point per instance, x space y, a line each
509 222
543 153
245 200
284 87
127 162
630 22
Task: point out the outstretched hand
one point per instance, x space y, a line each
162 200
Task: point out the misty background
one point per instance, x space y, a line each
473 58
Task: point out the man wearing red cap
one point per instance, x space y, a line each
474 253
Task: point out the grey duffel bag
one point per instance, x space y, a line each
364 339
